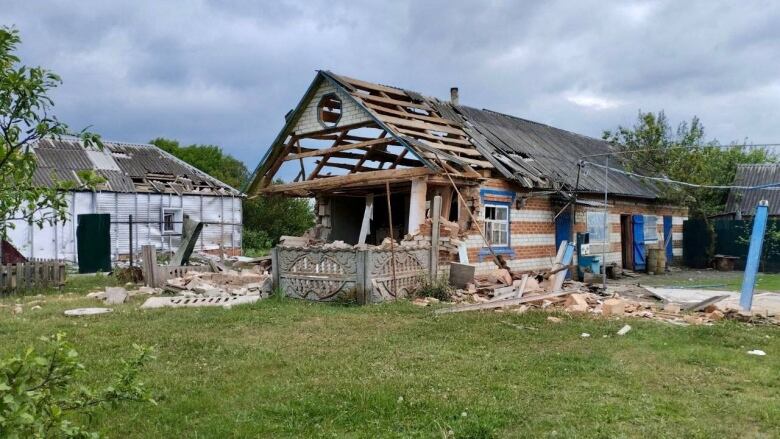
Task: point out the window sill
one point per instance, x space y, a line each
497 250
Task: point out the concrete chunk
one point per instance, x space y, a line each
115 295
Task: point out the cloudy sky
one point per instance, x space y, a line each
226 72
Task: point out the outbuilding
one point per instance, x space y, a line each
144 189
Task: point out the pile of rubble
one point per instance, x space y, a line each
226 283
585 299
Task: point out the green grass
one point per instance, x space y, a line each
282 368
729 281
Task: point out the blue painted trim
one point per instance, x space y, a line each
754 255
497 250
500 193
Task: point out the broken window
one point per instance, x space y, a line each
651 230
329 110
497 224
171 220
596 226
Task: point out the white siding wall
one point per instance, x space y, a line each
59 241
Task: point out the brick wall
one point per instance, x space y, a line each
532 227
350 112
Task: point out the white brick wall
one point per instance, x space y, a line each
678 220
350 111
527 215
529 240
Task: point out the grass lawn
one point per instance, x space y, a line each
282 368
718 280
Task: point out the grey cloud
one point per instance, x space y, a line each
226 72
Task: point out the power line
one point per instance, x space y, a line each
631 151
683 183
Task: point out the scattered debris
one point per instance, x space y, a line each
584 335
115 295
78 312
624 330
553 319
613 307
758 352
191 302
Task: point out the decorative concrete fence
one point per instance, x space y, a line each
325 274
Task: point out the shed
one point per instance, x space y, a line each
142 181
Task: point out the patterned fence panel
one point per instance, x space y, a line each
319 274
314 273
411 269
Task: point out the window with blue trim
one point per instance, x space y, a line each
497 224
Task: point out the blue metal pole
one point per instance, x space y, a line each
754 255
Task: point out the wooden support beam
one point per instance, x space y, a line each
434 119
362 160
338 181
349 167
365 97
420 125
344 147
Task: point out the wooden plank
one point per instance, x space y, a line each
371 86
435 234
424 135
347 166
345 147
501 303
420 125
480 163
365 97
434 119
342 180
368 214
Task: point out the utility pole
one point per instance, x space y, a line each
606 229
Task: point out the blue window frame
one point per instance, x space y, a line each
497 217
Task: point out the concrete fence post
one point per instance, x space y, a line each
362 288
275 268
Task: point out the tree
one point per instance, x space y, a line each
684 155
25 117
277 216
265 219
209 159
41 398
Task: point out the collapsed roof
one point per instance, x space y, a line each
441 136
126 167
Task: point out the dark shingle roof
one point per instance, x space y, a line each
747 200
127 167
536 150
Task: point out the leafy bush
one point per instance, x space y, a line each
438 289
255 240
40 398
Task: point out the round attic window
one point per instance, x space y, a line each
329 110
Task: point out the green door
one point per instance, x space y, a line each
93 239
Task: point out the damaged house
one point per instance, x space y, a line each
379 160
145 189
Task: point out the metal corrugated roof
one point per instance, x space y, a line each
745 201
119 163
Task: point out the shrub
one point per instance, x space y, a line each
40 398
438 289
255 240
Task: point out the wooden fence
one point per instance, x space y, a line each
32 274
